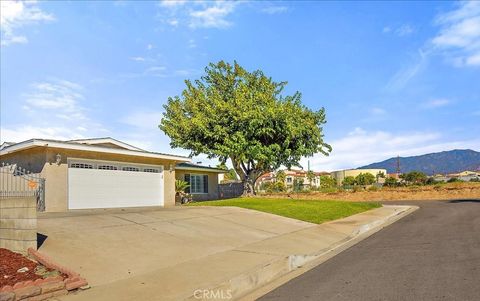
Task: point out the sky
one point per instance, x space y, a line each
395 78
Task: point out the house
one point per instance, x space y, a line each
301 176
203 180
340 175
107 173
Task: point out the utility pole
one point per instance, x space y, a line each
398 165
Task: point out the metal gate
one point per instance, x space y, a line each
18 182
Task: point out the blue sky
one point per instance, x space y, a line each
396 78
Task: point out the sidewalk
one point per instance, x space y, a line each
232 274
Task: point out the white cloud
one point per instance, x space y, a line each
378 111
459 36
18 133
192 44
400 79
361 147
401 31
150 47
404 30
197 14
172 3
271 10
436 103
138 58
214 16
16 14
143 119
60 96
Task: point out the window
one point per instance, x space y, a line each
130 168
289 180
81 165
107 167
150 170
198 183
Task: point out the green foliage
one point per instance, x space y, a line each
349 181
272 187
314 211
297 185
391 182
415 177
477 179
230 113
365 179
431 181
180 186
310 176
372 188
379 175
454 180
280 176
327 182
328 189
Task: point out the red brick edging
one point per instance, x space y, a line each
43 289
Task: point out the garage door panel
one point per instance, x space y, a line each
95 188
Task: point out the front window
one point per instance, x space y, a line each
196 184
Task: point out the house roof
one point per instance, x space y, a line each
125 149
191 166
106 140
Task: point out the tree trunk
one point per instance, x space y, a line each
248 177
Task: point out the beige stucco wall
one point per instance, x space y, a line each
43 160
342 174
212 184
18 223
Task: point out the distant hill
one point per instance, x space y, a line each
443 162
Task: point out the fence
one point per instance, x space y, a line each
21 195
230 190
16 182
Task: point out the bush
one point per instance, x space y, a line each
391 182
372 188
365 179
475 179
357 189
454 180
328 190
327 182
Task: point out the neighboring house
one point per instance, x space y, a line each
99 173
203 180
290 177
342 174
466 176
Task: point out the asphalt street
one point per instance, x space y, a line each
432 254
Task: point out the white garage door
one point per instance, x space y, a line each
111 185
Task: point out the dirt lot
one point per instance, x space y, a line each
448 191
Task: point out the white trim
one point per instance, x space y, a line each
100 149
201 169
107 140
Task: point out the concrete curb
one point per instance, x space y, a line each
266 277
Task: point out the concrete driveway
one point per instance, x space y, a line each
106 246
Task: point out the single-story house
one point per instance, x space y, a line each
107 173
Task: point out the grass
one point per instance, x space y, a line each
313 211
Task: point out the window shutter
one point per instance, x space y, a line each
187 179
205 183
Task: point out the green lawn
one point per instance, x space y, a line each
314 211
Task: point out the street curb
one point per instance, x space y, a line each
257 282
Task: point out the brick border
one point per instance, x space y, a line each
43 289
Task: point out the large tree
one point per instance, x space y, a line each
232 114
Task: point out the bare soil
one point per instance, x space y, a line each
449 191
11 262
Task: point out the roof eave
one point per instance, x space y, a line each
46 143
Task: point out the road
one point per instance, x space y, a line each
432 254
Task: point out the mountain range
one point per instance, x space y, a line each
435 163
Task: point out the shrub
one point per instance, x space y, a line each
357 188
391 182
327 182
373 188
329 190
477 179
365 179
454 180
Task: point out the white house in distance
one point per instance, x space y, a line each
339 175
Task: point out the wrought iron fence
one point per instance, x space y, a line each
18 182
